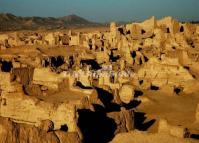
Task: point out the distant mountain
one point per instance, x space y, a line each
10 22
74 19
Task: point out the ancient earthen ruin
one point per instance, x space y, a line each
131 83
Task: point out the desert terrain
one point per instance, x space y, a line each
121 83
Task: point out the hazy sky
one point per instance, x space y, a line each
104 10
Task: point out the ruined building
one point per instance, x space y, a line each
73 87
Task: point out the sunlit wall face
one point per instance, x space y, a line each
104 10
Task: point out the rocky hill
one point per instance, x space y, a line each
10 22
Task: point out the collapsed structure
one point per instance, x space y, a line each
64 76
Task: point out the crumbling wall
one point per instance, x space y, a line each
3 41
25 75
164 72
5 82
44 76
49 39
32 111
13 132
74 40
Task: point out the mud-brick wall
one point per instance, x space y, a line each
5 82
32 111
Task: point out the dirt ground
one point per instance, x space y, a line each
176 109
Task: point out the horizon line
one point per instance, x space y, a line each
118 21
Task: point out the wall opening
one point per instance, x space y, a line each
128 32
71 61
143 31
141 82
121 30
155 88
113 58
182 29
64 128
146 59
178 90
187 67
168 30
133 54
57 61
6 66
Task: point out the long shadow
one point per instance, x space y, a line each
140 123
132 104
79 84
195 136
106 98
93 63
138 93
96 127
